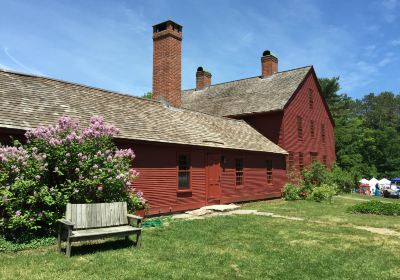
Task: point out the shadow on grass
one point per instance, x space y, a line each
90 247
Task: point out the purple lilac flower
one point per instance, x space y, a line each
18 213
124 153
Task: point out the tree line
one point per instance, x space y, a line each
367 131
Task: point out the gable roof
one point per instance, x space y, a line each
246 96
28 101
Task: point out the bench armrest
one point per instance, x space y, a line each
134 217
65 223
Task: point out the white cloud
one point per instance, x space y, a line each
19 63
4 67
360 74
390 4
385 61
395 43
390 11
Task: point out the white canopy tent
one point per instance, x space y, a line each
364 181
384 184
372 184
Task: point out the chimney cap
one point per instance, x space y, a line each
163 25
199 69
268 53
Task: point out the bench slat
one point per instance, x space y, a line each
122 215
103 215
117 213
98 214
108 214
68 212
83 216
78 216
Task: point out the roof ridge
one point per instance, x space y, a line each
112 92
242 79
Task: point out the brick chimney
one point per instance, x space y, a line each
269 64
167 48
203 78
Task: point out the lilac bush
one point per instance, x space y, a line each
60 164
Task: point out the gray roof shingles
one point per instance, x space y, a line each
246 96
28 101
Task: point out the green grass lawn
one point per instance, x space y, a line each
231 247
334 213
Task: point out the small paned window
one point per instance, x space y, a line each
310 99
323 133
291 161
324 160
239 172
301 161
299 122
269 171
313 156
183 172
312 129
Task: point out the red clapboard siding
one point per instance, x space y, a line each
299 106
158 176
268 124
158 179
6 134
255 177
281 126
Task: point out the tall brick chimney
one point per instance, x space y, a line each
167 48
269 64
203 78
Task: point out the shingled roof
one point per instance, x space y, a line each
28 101
246 96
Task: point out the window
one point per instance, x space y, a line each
301 161
269 171
323 133
324 160
291 162
299 122
310 99
313 156
239 172
312 130
183 172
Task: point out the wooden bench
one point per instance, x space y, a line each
95 221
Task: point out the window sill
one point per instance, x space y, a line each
239 187
184 191
184 194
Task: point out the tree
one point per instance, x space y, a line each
366 132
148 95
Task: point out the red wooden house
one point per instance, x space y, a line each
286 107
197 147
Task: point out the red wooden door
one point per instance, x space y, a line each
213 173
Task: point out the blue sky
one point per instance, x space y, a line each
108 44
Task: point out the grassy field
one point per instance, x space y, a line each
334 213
231 247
